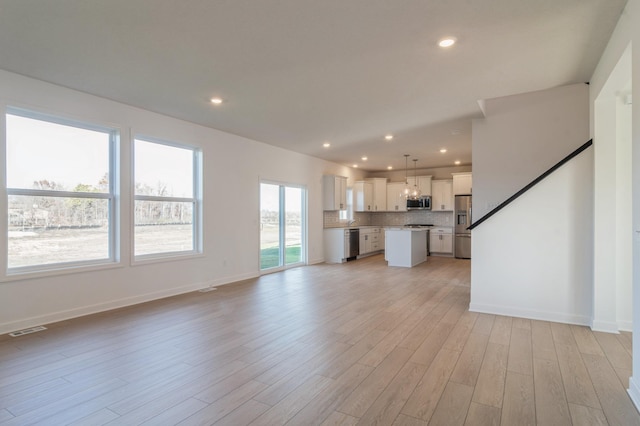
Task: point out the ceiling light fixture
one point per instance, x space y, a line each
326 144
355 166
443 150
388 137
457 162
216 101
365 158
389 167
447 42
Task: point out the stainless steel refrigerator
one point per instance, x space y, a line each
463 221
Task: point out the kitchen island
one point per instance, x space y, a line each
405 247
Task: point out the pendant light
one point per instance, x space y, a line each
406 191
415 191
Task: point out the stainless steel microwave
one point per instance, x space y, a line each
422 203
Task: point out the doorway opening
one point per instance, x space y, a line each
282 226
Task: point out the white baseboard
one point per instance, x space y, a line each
625 326
530 314
49 318
634 392
605 326
315 261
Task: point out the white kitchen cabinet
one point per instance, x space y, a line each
379 202
462 183
441 240
335 245
370 241
395 201
334 189
363 196
442 195
424 183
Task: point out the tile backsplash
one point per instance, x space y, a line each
332 218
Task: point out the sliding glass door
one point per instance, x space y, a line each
282 225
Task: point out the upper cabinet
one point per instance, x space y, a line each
395 201
462 183
363 196
379 201
424 183
441 195
334 189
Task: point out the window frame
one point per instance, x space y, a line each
112 197
196 200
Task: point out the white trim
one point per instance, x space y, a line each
634 392
530 314
604 326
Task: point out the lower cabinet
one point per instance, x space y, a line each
441 240
371 240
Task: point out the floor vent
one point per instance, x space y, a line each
207 289
27 331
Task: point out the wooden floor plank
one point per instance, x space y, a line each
244 414
288 407
520 352
551 403
489 389
519 402
482 415
577 382
453 405
425 397
587 416
372 387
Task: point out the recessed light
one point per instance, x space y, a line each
447 42
355 166
457 163
216 101
443 150
326 144
388 137
389 167
365 158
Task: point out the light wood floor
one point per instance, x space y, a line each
358 343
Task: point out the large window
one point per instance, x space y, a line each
60 192
282 225
167 200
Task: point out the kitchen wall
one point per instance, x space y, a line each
332 218
233 168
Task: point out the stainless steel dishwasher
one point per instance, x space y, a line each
351 243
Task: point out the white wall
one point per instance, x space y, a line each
533 258
522 136
233 167
625 36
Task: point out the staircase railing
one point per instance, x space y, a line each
531 184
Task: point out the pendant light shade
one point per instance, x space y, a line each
407 189
415 191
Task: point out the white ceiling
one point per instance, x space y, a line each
297 73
